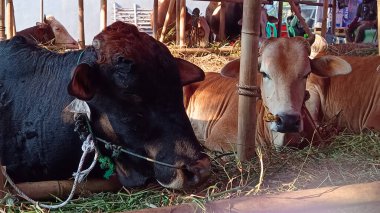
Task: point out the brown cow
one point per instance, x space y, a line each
284 67
49 32
193 23
330 99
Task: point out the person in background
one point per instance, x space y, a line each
293 24
366 18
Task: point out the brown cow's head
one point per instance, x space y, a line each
136 87
285 65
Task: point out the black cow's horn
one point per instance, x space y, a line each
96 44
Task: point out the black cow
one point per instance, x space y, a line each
133 86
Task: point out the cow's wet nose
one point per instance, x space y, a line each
197 172
288 123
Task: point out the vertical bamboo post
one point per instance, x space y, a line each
9 19
42 11
167 18
324 19
103 14
222 21
279 15
182 23
300 18
2 20
177 21
155 17
13 20
81 25
378 25
333 18
248 69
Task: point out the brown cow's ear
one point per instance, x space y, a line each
329 66
82 84
188 72
231 69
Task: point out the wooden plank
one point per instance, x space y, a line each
9 19
81 41
182 23
155 17
279 15
363 198
222 22
2 20
311 3
103 14
42 11
324 18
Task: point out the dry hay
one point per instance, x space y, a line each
352 49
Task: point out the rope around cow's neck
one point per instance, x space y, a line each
87 147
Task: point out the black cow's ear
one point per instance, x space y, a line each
82 84
188 72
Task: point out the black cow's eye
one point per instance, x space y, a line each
265 75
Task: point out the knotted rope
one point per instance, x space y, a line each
87 147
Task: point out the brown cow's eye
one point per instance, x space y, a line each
265 75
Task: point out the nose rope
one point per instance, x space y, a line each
116 150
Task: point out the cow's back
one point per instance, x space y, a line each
31 78
355 96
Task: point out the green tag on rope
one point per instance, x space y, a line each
106 164
306 35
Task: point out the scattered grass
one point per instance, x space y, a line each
348 159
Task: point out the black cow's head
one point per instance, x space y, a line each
135 87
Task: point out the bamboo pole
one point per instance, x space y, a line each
2 20
300 18
248 69
333 21
42 11
167 18
177 21
81 25
9 19
155 17
103 14
61 188
279 15
378 25
13 20
182 23
324 19
222 22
